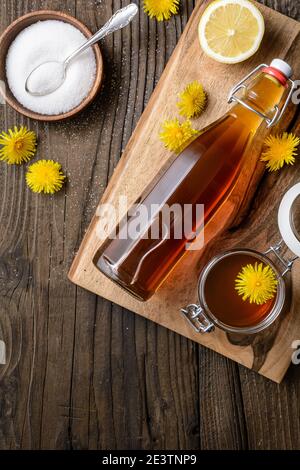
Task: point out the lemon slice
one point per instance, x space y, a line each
231 31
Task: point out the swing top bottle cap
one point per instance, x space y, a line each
282 67
280 70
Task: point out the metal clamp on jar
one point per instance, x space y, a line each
224 308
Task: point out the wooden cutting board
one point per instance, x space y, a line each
268 353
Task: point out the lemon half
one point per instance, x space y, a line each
231 31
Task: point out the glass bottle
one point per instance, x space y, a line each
205 173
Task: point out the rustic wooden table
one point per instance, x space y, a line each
82 373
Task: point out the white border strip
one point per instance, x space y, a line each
284 219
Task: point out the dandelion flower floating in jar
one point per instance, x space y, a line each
177 136
256 283
280 150
161 9
18 145
45 176
192 100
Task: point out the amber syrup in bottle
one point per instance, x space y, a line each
204 173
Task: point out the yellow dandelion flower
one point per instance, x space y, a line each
192 100
177 136
161 9
257 283
281 150
45 176
18 145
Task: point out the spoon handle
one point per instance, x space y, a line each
118 21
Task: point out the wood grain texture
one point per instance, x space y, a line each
144 157
81 372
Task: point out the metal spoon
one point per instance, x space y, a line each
55 72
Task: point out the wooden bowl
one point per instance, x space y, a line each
9 35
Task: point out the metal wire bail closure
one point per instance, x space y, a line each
278 112
286 263
196 318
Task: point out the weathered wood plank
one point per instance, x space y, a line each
81 373
64 325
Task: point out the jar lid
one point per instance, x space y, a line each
286 220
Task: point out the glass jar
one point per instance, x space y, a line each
219 304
